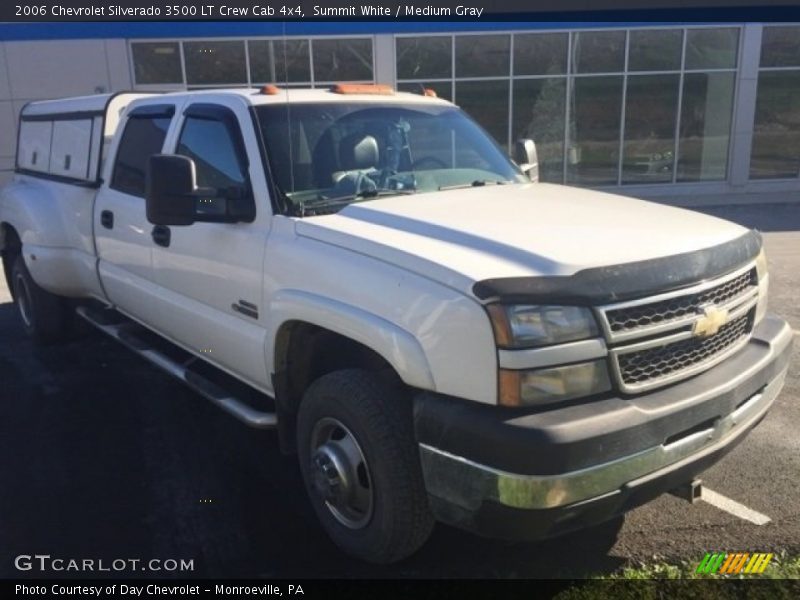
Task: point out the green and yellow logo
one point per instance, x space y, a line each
733 563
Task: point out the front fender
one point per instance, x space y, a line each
398 347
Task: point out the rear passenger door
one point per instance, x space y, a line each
122 232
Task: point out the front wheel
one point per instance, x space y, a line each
361 468
45 316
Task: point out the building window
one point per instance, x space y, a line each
651 108
598 51
776 132
539 110
483 55
157 63
279 61
488 100
197 64
705 126
342 60
605 107
215 63
594 130
424 58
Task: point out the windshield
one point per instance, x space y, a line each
324 156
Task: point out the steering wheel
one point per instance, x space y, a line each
437 163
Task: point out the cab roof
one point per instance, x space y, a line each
257 97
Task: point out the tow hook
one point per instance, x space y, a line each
691 491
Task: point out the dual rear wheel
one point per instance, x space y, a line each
45 317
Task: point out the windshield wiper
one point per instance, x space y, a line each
364 194
328 203
476 183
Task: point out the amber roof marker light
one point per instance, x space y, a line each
377 89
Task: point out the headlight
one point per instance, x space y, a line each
761 264
553 384
524 326
763 286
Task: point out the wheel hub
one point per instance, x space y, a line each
339 474
329 474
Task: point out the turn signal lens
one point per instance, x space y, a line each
554 384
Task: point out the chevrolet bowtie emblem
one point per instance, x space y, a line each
711 322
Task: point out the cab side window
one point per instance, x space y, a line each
143 136
210 144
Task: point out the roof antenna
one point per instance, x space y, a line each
301 209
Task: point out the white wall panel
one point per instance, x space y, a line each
54 69
5 90
119 67
8 129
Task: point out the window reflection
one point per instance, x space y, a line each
215 63
655 50
776 136
539 106
483 55
651 107
593 151
705 126
342 60
598 51
487 103
711 48
540 54
279 61
780 47
157 62
424 57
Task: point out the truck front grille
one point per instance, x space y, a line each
673 309
661 339
653 364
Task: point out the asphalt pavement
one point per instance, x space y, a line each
106 457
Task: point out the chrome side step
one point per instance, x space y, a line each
125 334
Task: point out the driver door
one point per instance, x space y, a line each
210 274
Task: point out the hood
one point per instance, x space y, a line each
459 237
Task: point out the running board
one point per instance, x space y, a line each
125 334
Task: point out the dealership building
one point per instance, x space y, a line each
690 112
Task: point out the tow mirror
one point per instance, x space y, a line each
526 157
170 190
173 198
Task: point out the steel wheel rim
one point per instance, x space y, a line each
340 475
24 301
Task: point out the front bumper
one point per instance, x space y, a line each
525 473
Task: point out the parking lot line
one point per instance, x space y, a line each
731 506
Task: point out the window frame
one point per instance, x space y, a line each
146 111
208 111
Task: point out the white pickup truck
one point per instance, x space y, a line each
434 333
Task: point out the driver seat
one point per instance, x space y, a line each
358 152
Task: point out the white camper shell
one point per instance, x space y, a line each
68 139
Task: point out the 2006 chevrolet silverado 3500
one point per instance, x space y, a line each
437 335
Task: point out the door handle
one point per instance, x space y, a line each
161 235
107 219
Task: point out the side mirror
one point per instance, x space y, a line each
170 190
526 157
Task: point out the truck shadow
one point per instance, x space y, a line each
118 460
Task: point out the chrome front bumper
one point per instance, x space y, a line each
466 485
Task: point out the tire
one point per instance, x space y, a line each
378 509
45 316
